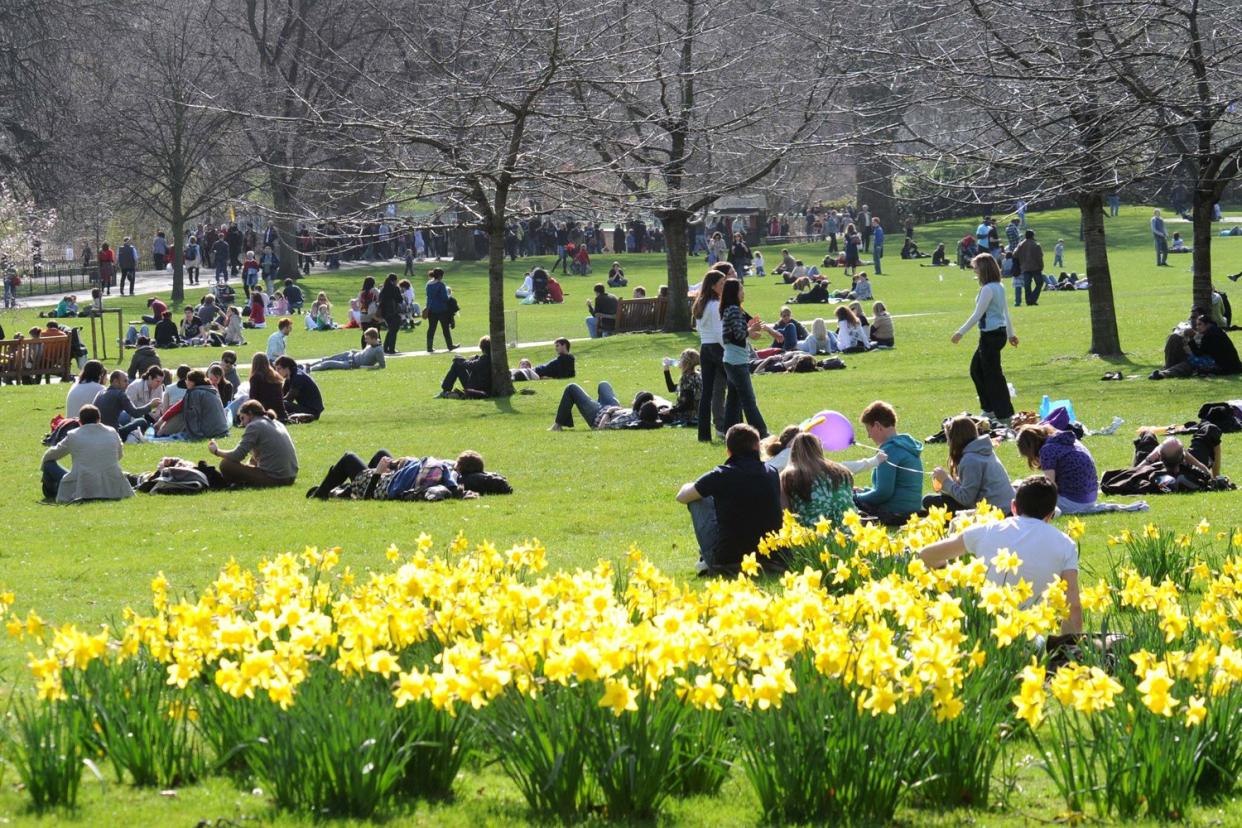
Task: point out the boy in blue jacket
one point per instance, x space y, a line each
896 486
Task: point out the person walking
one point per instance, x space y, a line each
220 259
1030 260
437 308
877 243
863 220
127 263
159 250
706 313
1161 239
390 300
991 314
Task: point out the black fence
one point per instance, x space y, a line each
55 278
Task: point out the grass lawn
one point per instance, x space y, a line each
587 495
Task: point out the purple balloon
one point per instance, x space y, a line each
835 432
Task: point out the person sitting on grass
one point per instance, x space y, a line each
689 387
851 336
148 387
813 487
791 330
144 357
734 505
975 472
616 276
820 340
1179 246
559 367
112 402
319 318
939 258
1067 463
1202 349
302 396
881 327
293 296
896 490
89 385
166 332
1044 553
201 408
96 451
226 389
278 342
408 478
273 459
474 374
370 357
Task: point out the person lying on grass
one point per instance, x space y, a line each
370 357
408 478
559 367
1024 547
606 411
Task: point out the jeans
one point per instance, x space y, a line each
1029 278
344 470
1017 291
574 396
711 400
442 319
53 473
1162 251
706 528
458 371
222 272
337 362
741 399
10 295
989 377
876 252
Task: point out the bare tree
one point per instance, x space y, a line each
168 151
1181 61
1032 118
702 102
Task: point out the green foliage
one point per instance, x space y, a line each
46 745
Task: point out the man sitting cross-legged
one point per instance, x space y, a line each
734 505
1045 552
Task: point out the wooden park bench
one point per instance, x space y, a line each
636 315
28 360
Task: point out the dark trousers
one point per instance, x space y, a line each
711 366
832 242
1032 286
741 400
53 473
390 338
945 502
434 319
191 273
459 371
127 273
345 470
989 377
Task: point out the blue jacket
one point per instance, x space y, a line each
300 388
897 486
437 296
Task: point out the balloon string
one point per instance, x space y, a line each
891 463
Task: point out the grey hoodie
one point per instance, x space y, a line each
980 476
204 413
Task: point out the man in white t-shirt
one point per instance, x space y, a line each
1046 552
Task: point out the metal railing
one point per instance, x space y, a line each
56 277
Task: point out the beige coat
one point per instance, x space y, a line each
96 474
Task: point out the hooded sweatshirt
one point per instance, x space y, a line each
980 476
897 486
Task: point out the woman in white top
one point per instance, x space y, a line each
821 340
706 313
995 327
851 337
86 389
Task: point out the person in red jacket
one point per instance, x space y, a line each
107 267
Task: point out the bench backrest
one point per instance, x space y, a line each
35 357
637 315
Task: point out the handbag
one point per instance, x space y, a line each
426 313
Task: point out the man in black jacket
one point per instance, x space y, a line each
220 259
475 374
1211 351
127 263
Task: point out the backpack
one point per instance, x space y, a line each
452 305
178 480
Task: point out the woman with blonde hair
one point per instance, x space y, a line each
974 474
689 386
991 314
813 487
881 326
820 340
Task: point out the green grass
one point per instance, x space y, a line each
585 495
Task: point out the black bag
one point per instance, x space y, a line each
1222 415
452 305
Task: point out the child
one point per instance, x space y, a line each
409 305
1010 268
250 272
756 263
1058 254
409 260
881 326
279 305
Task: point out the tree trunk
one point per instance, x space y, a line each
676 225
1201 214
176 247
1105 341
286 229
875 188
502 380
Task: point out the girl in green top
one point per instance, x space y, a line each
814 487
